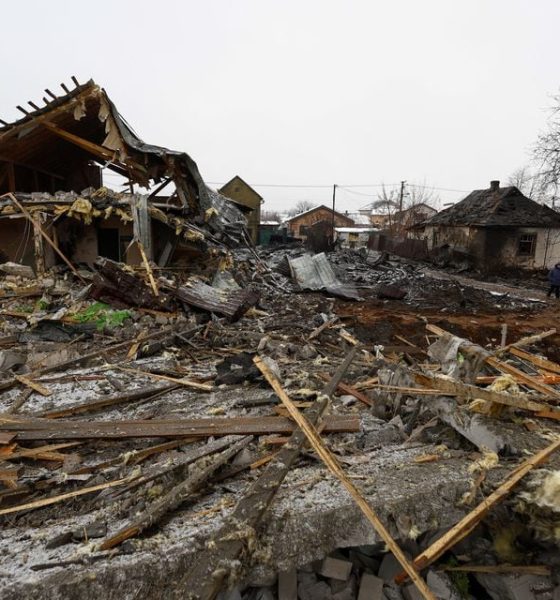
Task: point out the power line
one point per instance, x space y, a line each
347 186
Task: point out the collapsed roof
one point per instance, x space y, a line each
62 146
497 207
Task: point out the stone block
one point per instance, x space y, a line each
336 568
287 585
371 587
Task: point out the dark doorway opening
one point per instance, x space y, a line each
108 244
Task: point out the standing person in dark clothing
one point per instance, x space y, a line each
554 279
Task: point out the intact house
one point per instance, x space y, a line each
299 225
248 201
497 227
52 166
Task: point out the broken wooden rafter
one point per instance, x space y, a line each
472 519
174 497
333 465
61 429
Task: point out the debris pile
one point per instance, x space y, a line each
224 429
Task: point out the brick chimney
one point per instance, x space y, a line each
494 185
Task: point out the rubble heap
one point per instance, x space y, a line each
226 430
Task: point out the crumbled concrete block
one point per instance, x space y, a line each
390 567
371 587
441 585
336 568
287 585
509 587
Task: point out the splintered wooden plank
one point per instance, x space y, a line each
37 387
45 429
334 467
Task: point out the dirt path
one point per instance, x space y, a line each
499 288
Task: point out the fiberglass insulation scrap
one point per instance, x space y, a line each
540 502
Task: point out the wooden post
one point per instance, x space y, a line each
44 235
39 248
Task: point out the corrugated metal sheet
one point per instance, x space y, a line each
314 272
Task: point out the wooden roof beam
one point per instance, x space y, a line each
51 94
95 149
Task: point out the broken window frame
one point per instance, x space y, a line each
526 244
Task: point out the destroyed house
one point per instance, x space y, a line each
52 162
497 227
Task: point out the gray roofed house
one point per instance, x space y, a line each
498 227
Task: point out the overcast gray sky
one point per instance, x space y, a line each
306 92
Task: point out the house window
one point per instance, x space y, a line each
303 229
527 245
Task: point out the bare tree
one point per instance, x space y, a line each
547 147
422 194
389 202
532 184
271 215
300 207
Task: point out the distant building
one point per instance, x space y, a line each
354 237
299 225
497 227
247 200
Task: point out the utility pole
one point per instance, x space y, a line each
333 206
403 183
